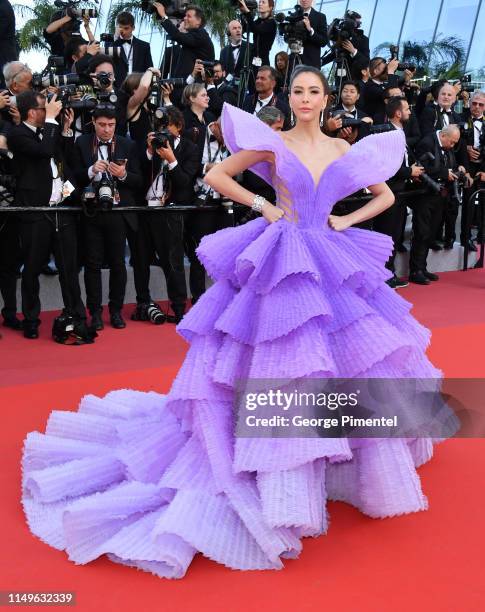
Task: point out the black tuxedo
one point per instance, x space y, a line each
411 128
141 56
312 47
42 233
227 58
430 209
264 31
362 130
373 95
167 233
360 42
250 102
223 92
105 233
195 44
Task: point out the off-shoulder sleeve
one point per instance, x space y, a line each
245 132
372 160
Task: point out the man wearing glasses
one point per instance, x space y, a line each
44 179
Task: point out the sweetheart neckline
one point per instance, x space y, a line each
316 185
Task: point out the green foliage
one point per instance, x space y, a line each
218 14
443 58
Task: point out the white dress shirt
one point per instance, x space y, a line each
260 102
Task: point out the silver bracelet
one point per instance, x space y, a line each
258 203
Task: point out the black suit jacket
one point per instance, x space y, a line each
227 58
431 120
182 177
249 104
312 48
398 181
360 42
141 55
84 154
32 165
264 31
373 95
195 44
411 128
438 169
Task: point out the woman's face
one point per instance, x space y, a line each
280 62
264 6
201 100
307 97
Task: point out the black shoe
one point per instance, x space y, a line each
419 278
97 322
31 330
430 275
435 246
401 248
177 316
48 271
448 245
397 283
13 323
117 320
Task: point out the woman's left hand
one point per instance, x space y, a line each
338 223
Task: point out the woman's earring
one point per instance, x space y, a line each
322 115
292 118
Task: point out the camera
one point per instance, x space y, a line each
292 28
71 9
425 178
149 312
173 8
7 181
394 50
107 45
251 4
342 29
208 67
103 80
465 81
104 193
155 94
458 186
162 136
46 79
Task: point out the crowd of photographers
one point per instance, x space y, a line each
102 128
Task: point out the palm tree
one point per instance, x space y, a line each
30 35
442 58
218 14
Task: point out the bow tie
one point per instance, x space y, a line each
236 46
127 42
39 131
445 112
104 143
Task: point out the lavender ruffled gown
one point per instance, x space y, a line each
151 480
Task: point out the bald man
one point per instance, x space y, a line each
233 55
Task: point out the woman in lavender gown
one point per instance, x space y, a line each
152 480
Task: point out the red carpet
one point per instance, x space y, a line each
427 561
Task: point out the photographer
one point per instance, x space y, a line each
391 220
174 162
136 55
381 76
107 168
411 126
475 141
195 42
233 55
220 89
263 29
44 179
438 159
317 37
63 25
18 78
356 47
437 115
8 43
196 114
348 109
265 93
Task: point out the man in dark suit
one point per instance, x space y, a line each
381 77
316 25
98 156
428 209
172 171
265 93
44 179
234 54
136 55
8 44
348 107
195 42
356 48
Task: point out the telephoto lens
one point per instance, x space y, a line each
155 315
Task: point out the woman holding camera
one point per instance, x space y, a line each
263 28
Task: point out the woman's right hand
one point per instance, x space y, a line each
242 6
271 213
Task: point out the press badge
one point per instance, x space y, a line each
257 61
